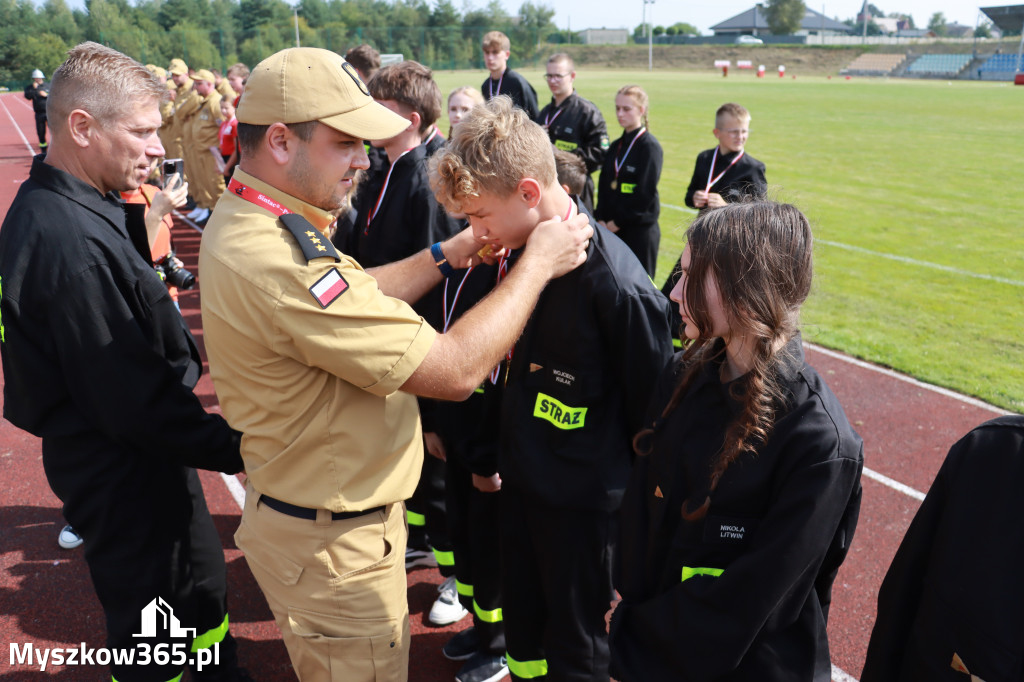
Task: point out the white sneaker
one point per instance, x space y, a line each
447 609
191 215
204 214
68 538
419 557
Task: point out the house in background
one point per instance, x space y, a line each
754 22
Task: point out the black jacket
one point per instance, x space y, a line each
32 92
578 126
954 587
744 179
633 203
580 378
515 86
94 351
778 527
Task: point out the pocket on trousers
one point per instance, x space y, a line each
261 553
352 650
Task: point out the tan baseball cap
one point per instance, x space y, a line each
302 84
177 67
204 75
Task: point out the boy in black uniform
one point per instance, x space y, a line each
573 397
573 123
722 175
98 363
934 622
37 91
503 80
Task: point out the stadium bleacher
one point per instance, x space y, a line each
1000 67
946 65
874 64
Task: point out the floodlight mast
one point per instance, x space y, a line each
650 36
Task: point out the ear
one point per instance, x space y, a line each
415 120
529 190
280 143
717 133
81 127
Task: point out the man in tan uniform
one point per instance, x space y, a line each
317 362
182 87
206 178
186 104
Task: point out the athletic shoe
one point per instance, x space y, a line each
69 538
419 557
483 668
194 213
447 609
462 645
201 217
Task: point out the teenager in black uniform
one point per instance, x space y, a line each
723 175
99 363
950 605
37 91
573 123
503 80
628 186
744 499
572 397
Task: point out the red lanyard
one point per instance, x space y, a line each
711 170
618 163
373 212
549 119
258 198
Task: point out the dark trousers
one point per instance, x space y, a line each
557 587
148 537
473 528
644 242
428 502
41 128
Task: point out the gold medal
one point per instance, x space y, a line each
615 184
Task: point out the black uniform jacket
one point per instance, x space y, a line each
633 203
408 220
954 587
745 179
778 528
580 378
577 126
33 92
515 86
95 355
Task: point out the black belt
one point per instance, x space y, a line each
310 514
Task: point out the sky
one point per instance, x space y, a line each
581 14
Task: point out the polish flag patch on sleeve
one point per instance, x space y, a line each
328 288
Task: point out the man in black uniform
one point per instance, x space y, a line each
99 363
37 91
575 390
503 80
573 123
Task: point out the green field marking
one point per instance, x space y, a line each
893 174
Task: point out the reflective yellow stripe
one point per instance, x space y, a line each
527 670
211 637
558 413
628 187
415 519
565 147
487 616
690 572
463 589
444 558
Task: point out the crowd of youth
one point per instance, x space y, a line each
604 505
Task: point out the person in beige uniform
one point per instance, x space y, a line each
318 363
171 138
207 164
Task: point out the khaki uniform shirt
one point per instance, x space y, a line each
206 123
225 90
186 103
314 389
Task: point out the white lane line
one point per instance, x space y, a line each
894 484
31 152
921 263
236 489
681 209
839 675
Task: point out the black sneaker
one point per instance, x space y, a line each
462 645
483 668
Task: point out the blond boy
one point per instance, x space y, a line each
726 173
503 80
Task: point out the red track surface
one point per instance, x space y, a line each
46 597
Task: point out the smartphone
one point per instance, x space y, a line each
170 167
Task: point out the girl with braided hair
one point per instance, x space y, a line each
746 489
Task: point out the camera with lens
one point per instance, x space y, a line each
174 274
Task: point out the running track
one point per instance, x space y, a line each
46 597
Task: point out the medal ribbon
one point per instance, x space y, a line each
446 314
618 163
432 135
714 158
383 190
256 197
549 119
490 84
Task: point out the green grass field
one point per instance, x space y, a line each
912 187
